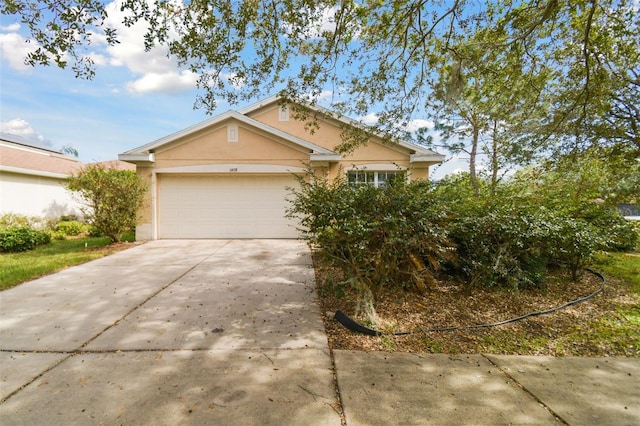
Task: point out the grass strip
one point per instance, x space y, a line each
16 268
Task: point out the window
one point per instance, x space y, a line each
376 179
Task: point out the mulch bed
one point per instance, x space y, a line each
576 330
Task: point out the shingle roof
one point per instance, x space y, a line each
18 156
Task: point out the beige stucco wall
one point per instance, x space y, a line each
212 147
327 133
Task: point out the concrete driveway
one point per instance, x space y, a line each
170 332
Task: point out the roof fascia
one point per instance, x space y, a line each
140 159
429 158
31 172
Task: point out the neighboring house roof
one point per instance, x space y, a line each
117 165
145 153
19 156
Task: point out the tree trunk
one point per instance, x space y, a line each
472 159
494 159
365 307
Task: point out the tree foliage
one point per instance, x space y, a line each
573 63
112 198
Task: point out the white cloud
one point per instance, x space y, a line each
416 124
316 23
21 127
236 82
169 82
98 59
158 72
15 48
325 96
325 22
371 118
11 28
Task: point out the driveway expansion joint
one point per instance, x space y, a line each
519 385
139 305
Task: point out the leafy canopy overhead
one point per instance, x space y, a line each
573 63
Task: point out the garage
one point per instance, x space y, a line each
224 206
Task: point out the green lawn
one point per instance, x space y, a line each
625 266
16 268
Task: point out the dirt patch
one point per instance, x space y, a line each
593 328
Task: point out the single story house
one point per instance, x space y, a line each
228 176
33 179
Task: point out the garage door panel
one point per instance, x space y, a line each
238 206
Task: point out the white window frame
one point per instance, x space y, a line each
372 177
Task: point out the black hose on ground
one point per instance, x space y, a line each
353 325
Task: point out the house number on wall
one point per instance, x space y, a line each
233 169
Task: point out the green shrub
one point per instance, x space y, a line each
94 232
70 227
59 236
617 233
129 236
500 247
378 237
22 239
572 243
112 198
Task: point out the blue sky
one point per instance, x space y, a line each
136 97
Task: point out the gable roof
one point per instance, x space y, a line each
145 152
17 155
423 152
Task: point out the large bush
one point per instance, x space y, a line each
379 237
22 238
112 198
500 246
508 236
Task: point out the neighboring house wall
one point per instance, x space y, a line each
32 181
32 195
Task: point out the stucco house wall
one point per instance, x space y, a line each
33 179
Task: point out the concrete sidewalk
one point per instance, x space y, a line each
434 389
230 332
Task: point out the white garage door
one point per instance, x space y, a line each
238 206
